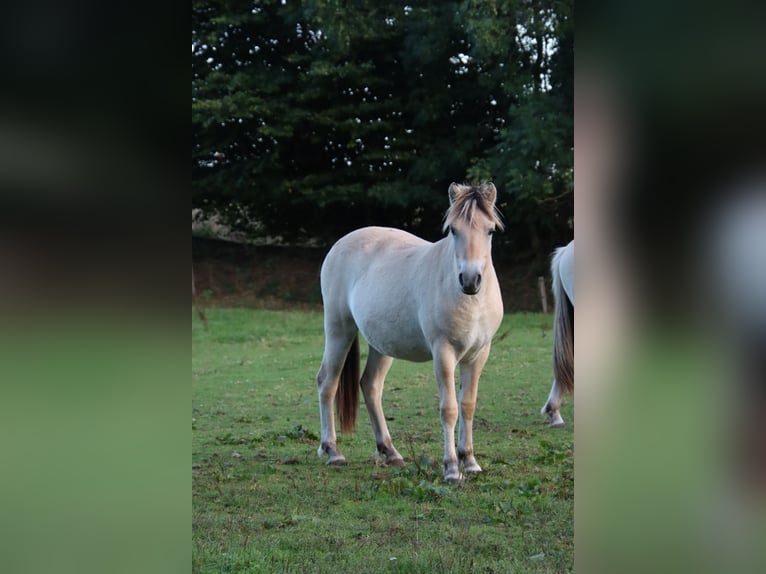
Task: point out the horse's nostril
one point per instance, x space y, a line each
460 278
478 280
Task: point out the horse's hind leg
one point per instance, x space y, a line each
372 387
338 339
552 406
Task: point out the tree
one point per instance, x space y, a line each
312 118
532 160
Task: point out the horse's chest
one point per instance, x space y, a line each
468 342
471 331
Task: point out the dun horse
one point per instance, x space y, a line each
413 300
562 270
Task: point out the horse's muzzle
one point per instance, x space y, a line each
470 283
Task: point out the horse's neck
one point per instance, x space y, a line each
443 256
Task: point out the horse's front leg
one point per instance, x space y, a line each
444 370
469 386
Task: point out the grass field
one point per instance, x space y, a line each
264 502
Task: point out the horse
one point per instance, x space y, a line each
562 271
413 300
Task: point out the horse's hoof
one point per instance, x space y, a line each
472 468
555 421
338 460
452 472
397 462
453 477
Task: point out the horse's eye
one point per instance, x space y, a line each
491 231
452 230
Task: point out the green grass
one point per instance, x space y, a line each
264 502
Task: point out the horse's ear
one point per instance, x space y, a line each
490 192
451 192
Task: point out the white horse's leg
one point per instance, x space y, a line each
469 386
444 370
552 406
372 387
338 340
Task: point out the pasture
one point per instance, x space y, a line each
263 501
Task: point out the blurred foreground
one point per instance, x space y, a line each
670 174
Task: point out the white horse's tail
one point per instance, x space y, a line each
563 330
348 390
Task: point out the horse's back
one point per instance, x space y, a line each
357 252
370 277
368 241
563 261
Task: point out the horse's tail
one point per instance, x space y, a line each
563 330
348 390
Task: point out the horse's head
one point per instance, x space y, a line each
471 220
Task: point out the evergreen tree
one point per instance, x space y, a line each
313 118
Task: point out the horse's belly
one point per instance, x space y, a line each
396 340
397 350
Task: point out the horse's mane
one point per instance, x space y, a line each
467 198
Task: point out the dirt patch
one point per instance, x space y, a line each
268 277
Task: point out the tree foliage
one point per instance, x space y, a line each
312 118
